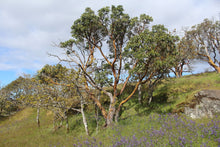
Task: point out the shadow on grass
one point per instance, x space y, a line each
160 104
3 118
156 108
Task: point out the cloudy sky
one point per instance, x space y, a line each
29 28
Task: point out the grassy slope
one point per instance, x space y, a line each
173 94
21 129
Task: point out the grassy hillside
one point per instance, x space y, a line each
156 124
171 95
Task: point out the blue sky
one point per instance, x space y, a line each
7 76
29 29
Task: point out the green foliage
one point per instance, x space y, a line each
11 93
88 27
154 49
204 38
55 72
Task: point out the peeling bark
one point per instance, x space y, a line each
111 112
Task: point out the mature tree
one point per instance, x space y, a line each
65 93
3 99
205 38
183 59
33 94
103 37
56 98
12 92
101 77
153 51
14 88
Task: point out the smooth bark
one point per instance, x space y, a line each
67 123
82 111
38 115
139 94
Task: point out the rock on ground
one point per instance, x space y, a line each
207 104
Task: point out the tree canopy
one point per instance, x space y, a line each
205 39
120 45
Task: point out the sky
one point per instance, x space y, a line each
29 29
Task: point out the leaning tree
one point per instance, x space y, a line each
64 92
205 39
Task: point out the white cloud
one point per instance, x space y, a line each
28 28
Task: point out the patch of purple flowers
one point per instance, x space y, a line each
162 130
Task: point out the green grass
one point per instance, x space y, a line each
170 96
21 130
177 92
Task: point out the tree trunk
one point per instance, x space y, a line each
139 94
38 115
175 71
61 122
111 112
181 69
125 100
150 96
55 120
218 70
97 114
84 118
176 74
117 114
82 111
67 123
211 63
150 92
